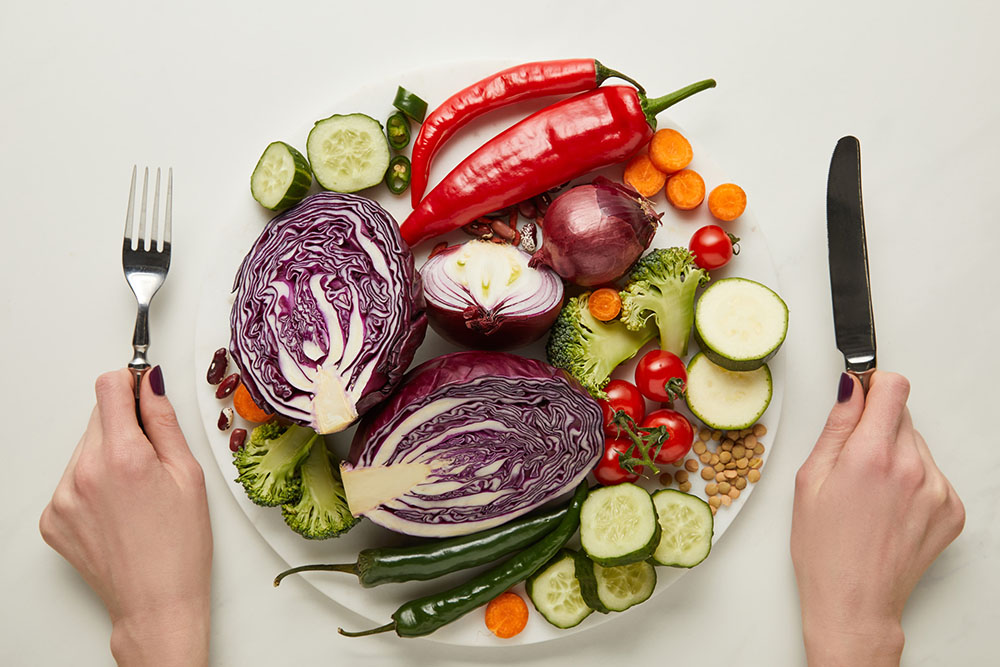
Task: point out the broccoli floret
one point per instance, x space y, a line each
322 510
268 463
589 349
661 286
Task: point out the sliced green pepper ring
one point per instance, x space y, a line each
397 176
397 131
410 104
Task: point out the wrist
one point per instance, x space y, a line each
174 635
874 642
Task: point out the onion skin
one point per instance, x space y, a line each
512 332
454 311
594 233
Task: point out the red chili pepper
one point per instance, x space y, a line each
514 84
552 146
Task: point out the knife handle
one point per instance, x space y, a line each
864 377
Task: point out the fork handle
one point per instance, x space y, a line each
140 343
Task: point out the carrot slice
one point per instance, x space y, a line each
686 189
670 151
727 201
247 409
506 615
605 304
642 175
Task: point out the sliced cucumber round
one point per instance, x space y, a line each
624 586
588 582
281 177
555 592
739 324
687 525
723 399
618 525
348 153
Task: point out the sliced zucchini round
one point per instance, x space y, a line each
739 324
348 153
723 399
555 591
281 177
618 525
687 525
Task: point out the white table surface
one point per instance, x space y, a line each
90 88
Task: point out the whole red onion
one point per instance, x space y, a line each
593 233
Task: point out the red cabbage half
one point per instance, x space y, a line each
328 311
471 440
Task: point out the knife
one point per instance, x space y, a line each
845 224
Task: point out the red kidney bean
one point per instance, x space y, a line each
236 440
502 229
228 386
217 370
527 208
480 228
225 419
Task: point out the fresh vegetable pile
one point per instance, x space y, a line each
472 449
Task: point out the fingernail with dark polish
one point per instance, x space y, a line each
156 381
844 391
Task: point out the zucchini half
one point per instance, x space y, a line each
723 399
740 324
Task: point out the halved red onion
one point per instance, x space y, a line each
484 295
593 233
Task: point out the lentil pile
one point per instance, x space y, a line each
727 466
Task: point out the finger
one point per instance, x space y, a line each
840 424
116 404
884 408
159 418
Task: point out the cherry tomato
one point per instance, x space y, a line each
712 247
622 395
608 472
655 376
678 427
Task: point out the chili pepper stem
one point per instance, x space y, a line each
374 631
350 568
604 73
653 106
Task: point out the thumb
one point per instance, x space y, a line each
159 419
844 417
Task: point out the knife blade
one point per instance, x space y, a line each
853 321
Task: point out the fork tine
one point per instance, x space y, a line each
153 241
141 244
131 208
169 207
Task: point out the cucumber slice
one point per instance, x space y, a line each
618 525
739 324
726 400
687 525
584 571
555 592
348 153
614 588
281 177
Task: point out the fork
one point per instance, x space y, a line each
145 260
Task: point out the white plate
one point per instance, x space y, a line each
234 238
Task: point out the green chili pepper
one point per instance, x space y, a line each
427 614
397 131
410 104
429 561
397 176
